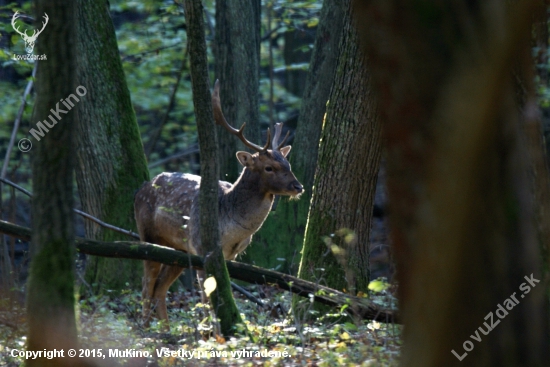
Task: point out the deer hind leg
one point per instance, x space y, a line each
168 274
151 272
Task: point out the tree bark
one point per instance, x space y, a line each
338 227
222 298
360 307
111 163
527 91
282 234
460 207
237 54
50 288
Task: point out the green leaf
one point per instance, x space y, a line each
378 285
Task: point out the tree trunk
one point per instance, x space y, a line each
460 207
237 52
282 234
111 163
222 298
360 307
50 288
338 227
538 131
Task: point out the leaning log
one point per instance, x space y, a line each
358 307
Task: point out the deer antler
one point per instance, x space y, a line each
278 130
16 16
220 120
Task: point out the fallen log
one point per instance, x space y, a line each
359 307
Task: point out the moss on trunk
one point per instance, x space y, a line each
237 56
214 263
50 288
111 163
458 182
338 228
282 234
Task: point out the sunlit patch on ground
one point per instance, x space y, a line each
276 338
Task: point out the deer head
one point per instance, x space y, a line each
167 210
29 40
268 166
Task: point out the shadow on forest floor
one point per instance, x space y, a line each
112 325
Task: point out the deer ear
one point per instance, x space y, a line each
284 150
245 158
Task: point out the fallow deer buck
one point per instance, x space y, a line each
167 209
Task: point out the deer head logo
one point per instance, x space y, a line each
29 40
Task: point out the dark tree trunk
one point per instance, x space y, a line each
538 130
111 163
360 307
237 52
50 288
282 235
345 180
222 298
460 206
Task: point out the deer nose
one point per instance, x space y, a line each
299 188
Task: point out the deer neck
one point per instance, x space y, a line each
249 204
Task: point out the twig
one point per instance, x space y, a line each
150 51
8 182
194 149
3 243
8 323
270 33
363 308
107 225
84 282
85 215
18 122
248 295
171 105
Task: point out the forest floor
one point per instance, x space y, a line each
110 328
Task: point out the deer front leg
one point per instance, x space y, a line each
151 272
168 274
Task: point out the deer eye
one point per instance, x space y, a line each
268 169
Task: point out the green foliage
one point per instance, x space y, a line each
114 322
152 42
152 50
378 285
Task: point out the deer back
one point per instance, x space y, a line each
241 212
163 206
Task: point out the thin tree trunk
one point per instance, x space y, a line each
222 298
237 52
111 163
338 227
282 234
361 307
460 208
50 288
